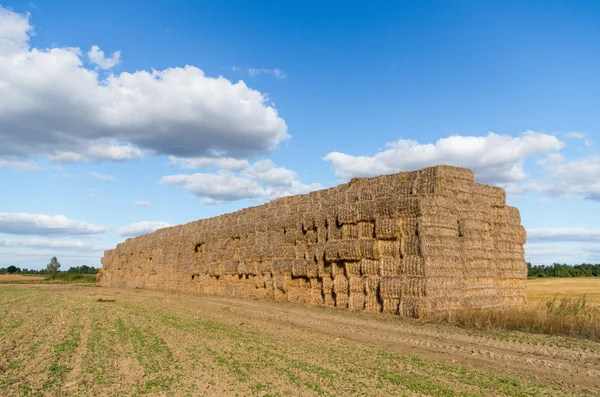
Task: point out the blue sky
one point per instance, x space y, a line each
117 118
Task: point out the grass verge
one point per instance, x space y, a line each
571 317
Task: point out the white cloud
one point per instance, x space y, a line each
577 178
137 229
46 225
97 150
18 164
278 73
574 234
145 204
259 181
495 159
51 104
575 135
96 57
14 31
227 163
103 177
46 243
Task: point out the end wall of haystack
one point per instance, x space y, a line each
412 243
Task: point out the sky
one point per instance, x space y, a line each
120 118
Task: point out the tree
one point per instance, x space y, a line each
53 266
12 269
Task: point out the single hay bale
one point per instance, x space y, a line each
356 284
390 287
388 247
352 268
390 305
350 231
369 248
387 228
372 285
370 267
340 285
341 300
391 266
373 304
366 230
356 301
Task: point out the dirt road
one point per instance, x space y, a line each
61 340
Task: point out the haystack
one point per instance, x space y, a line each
412 243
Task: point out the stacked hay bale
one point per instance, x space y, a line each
412 243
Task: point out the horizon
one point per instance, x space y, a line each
114 126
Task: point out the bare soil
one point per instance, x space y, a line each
75 340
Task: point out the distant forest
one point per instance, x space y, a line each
558 270
73 270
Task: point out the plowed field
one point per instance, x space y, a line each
72 340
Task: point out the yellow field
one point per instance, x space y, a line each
19 279
547 288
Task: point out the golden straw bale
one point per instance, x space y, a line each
365 211
372 284
334 232
507 215
413 265
327 291
341 300
299 268
356 284
390 287
410 307
411 245
387 228
312 269
388 247
390 266
280 266
372 303
350 231
356 301
370 267
340 285
366 230
338 269
390 305
369 248
352 268
347 214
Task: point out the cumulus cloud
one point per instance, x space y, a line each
96 57
103 177
144 227
144 204
495 159
227 163
278 73
51 104
259 181
46 225
575 234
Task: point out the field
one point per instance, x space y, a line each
19 279
547 288
78 340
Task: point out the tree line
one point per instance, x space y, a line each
563 270
51 268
